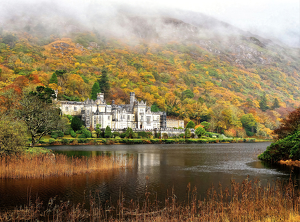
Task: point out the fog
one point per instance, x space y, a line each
270 19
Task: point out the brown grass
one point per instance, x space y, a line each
295 163
40 166
246 201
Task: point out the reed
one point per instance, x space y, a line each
246 201
40 166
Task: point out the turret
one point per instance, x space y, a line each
100 96
132 98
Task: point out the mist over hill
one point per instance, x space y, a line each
186 63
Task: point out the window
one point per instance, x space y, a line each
128 117
108 117
67 108
142 118
75 108
148 120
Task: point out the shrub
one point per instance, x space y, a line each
123 135
54 135
65 141
51 141
73 134
82 140
116 134
200 131
165 136
78 132
81 136
60 133
181 135
142 134
107 132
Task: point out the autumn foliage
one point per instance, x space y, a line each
184 80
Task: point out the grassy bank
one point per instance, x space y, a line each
110 141
246 201
45 165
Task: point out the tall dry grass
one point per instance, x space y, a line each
40 166
246 201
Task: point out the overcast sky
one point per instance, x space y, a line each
273 18
279 18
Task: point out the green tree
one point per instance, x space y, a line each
104 82
190 124
98 130
187 94
275 104
45 94
263 103
53 78
187 133
248 122
107 132
12 136
95 90
76 123
200 131
205 125
154 108
129 133
40 117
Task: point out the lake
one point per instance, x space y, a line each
158 168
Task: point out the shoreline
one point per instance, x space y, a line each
112 141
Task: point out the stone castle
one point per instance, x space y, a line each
136 115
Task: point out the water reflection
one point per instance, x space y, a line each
157 168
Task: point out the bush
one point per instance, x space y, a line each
60 134
249 133
78 132
181 135
86 132
67 132
123 135
65 141
73 134
107 132
51 141
54 135
142 134
283 149
81 136
165 136
116 134
200 131
82 140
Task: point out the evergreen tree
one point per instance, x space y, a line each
95 90
263 103
76 123
190 124
107 132
275 104
53 78
104 82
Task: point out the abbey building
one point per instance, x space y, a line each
136 115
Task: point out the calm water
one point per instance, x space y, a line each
165 166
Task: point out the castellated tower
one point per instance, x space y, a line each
132 98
